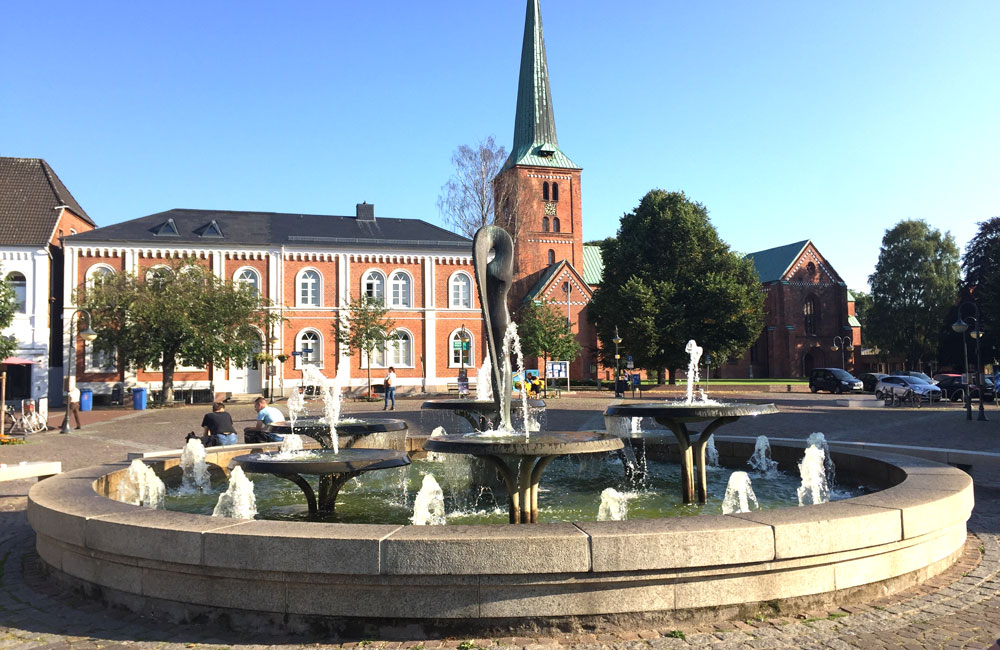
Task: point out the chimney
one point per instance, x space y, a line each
366 212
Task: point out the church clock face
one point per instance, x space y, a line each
550 209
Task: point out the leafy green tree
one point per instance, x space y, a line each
7 308
181 313
914 284
544 333
981 284
862 306
669 278
365 328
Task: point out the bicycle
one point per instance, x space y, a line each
907 398
27 422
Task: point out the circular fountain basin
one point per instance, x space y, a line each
689 412
382 433
346 577
481 406
545 443
322 461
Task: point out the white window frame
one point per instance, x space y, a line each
452 283
298 288
407 298
93 270
391 349
452 363
20 302
384 356
151 271
243 269
383 282
91 367
317 348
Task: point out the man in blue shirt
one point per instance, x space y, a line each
266 416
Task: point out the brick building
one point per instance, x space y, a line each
309 267
36 211
807 306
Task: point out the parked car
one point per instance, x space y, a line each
955 386
896 386
914 373
834 380
869 379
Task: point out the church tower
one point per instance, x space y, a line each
545 212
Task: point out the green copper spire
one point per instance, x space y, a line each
535 141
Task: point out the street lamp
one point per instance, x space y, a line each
842 343
962 327
617 341
272 344
87 335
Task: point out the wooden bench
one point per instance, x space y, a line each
30 469
453 388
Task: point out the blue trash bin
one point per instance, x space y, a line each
86 400
139 399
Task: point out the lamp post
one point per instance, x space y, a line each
617 341
272 344
87 335
842 343
961 326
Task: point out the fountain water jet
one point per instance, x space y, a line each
142 487
614 506
761 461
739 495
238 501
814 488
195 469
428 507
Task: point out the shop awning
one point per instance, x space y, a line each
17 361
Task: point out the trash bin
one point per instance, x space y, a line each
139 399
86 399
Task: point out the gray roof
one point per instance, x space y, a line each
535 141
182 226
30 192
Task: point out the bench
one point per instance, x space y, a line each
30 469
453 388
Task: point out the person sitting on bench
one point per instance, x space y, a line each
266 416
217 427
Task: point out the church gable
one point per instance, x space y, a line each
551 286
810 267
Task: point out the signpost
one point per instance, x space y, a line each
629 363
636 383
558 370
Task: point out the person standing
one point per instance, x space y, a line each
218 428
74 407
390 389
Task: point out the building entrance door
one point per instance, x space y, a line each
247 378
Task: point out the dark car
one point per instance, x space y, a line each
834 380
869 379
955 386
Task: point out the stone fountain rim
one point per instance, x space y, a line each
379 459
690 412
478 405
368 425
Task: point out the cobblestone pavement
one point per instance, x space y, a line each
958 609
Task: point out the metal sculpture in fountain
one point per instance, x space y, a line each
493 262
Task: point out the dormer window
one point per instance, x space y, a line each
212 229
166 229
546 150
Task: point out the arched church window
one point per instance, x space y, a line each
545 224
809 315
555 224
555 191
552 256
545 191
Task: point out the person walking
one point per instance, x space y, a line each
74 408
390 389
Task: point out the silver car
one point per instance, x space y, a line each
896 386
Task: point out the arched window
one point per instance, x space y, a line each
310 289
461 355
809 314
552 256
19 284
310 344
399 349
248 277
555 224
98 273
373 286
545 191
545 224
399 288
555 191
159 275
460 291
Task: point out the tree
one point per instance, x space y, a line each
477 194
862 306
913 286
669 278
364 329
179 313
8 306
981 284
544 333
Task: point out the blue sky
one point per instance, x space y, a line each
788 120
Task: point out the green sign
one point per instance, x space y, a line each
459 345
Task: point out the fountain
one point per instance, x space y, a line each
194 467
142 487
428 507
238 501
347 580
739 494
676 417
761 461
